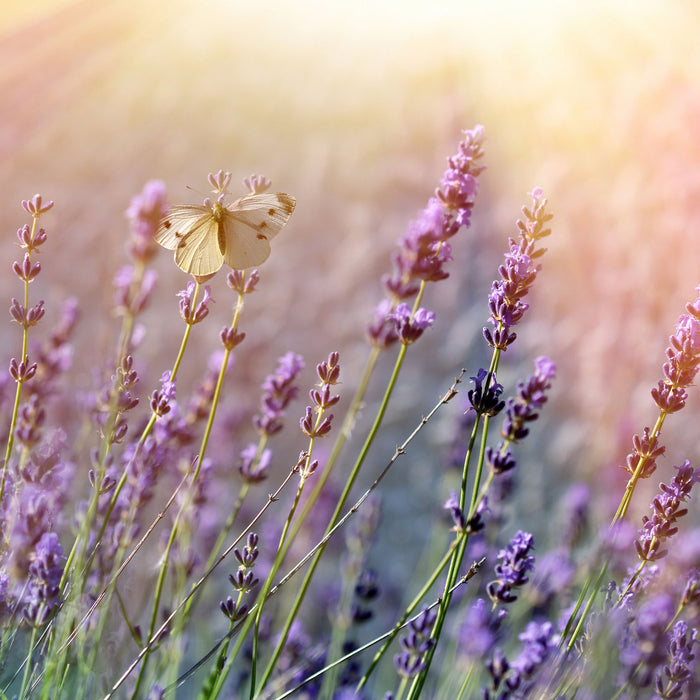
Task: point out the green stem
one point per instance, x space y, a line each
338 509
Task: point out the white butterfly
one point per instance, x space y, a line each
204 237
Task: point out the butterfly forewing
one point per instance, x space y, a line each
250 223
178 223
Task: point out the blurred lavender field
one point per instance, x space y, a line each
354 112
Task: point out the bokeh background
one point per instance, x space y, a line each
353 108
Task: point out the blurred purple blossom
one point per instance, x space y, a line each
531 396
279 389
643 643
480 630
676 674
415 644
144 214
516 562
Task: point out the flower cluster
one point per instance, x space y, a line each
667 509
516 679
683 361
516 562
517 274
190 311
415 645
279 389
329 374
424 250
532 395
677 673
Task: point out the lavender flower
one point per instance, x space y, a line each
253 468
676 674
516 561
516 679
278 390
642 647
517 274
480 630
424 250
133 289
531 396
36 206
329 373
486 401
683 361
194 315
145 213
415 645
667 510
645 448
45 571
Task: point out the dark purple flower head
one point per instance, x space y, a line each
144 213
279 389
500 459
486 400
667 509
516 562
531 396
415 644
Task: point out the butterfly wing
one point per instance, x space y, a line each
198 250
178 223
250 223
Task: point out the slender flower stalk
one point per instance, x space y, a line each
681 366
507 307
30 240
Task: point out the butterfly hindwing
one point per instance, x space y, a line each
250 223
198 251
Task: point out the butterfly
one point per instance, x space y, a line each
205 236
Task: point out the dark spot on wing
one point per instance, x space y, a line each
287 202
167 224
270 212
262 225
260 237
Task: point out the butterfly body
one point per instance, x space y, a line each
205 236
